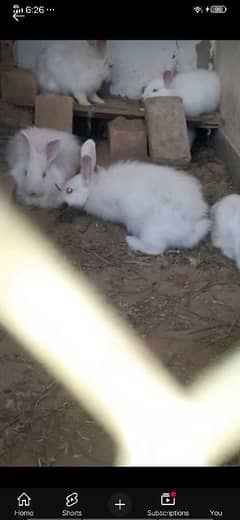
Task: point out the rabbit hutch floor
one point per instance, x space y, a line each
186 306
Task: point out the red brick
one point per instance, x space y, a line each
19 86
167 131
53 111
127 138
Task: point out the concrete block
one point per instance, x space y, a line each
19 86
127 138
53 111
167 131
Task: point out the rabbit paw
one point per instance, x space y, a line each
137 245
96 99
82 99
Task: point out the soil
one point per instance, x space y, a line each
185 304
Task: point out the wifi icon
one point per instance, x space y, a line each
198 9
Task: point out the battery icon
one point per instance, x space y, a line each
218 9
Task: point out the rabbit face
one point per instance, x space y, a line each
155 88
76 191
35 180
107 70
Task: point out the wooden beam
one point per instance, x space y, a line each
213 120
112 108
115 107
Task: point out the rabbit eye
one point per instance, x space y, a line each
25 173
155 90
44 175
69 190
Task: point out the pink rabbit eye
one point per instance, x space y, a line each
69 190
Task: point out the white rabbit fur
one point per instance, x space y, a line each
74 68
199 89
161 207
38 159
225 229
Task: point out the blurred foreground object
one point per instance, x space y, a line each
59 319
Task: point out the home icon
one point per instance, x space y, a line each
24 500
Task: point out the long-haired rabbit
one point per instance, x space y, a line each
75 68
225 231
39 159
199 89
161 207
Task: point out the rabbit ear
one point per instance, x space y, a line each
174 64
167 77
171 71
99 45
88 159
52 149
27 140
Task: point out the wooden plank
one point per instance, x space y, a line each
115 107
109 110
213 120
112 108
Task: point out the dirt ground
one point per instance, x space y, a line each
186 306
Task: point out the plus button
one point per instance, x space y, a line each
120 504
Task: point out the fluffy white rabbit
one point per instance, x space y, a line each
161 207
74 68
225 231
199 89
39 159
